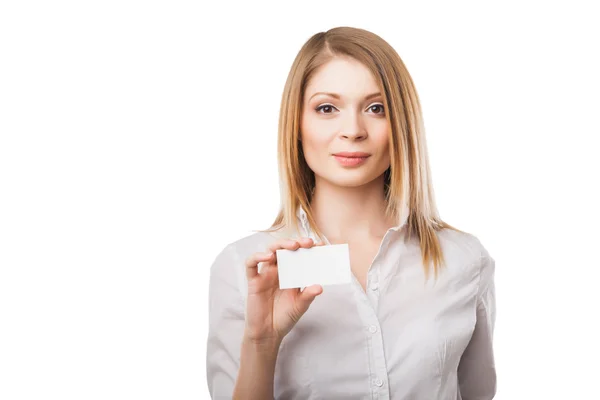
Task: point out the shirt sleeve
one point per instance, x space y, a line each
226 325
477 371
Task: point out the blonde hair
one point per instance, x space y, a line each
407 180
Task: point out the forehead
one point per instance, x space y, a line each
342 75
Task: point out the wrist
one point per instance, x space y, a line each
268 344
256 373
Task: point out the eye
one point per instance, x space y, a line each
326 108
377 108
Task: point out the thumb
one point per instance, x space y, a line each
306 297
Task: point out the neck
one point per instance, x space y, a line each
347 214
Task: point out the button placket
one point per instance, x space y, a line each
367 303
379 372
372 287
379 364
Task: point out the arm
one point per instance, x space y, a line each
225 326
244 337
236 367
477 371
257 371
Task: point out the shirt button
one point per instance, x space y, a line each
374 286
372 329
378 382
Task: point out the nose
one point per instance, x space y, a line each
352 127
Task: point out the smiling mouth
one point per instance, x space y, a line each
355 154
350 161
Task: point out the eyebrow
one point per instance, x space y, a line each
337 96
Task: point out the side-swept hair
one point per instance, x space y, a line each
407 180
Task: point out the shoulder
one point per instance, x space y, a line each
228 267
236 252
463 245
252 243
473 251
467 252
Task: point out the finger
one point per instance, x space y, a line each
288 244
306 242
291 244
310 292
253 260
306 297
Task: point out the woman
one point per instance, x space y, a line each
354 169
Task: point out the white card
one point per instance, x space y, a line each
318 265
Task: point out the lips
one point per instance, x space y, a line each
355 160
352 154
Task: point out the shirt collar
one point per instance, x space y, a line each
303 220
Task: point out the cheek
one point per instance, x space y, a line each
316 127
378 129
315 148
316 136
379 135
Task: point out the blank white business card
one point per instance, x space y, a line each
322 265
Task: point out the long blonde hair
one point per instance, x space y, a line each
408 176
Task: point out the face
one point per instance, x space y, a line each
343 112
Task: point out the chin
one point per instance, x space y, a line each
351 181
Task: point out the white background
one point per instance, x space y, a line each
138 138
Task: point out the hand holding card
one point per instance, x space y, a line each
322 265
271 312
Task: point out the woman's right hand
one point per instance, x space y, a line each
272 312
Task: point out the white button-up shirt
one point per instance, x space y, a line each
403 338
